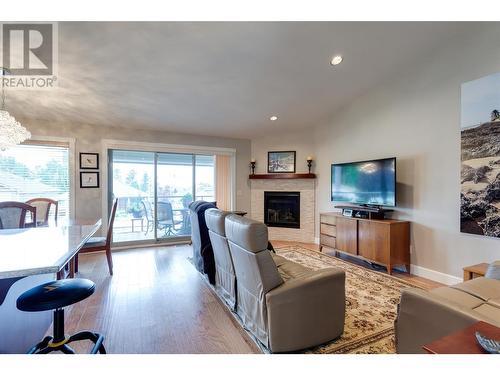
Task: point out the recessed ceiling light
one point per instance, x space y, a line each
336 60
273 118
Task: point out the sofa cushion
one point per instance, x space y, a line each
216 220
489 311
249 234
493 271
278 260
495 302
457 297
95 242
480 287
290 270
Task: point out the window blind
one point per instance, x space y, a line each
223 193
36 170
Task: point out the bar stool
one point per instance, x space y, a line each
55 295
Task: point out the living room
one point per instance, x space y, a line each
254 187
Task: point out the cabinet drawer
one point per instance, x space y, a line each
327 241
328 219
330 230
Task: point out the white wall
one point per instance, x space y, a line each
415 117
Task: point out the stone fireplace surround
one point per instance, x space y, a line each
306 187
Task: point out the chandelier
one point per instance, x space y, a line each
11 131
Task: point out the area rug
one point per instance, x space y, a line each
371 304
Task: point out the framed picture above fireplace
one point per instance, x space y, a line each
281 162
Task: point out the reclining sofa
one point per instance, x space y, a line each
225 277
286 306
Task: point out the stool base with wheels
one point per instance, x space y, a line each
55 295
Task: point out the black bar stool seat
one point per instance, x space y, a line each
55 295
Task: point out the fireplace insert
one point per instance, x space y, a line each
282 209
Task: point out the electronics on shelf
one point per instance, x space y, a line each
363 212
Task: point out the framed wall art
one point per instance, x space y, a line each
89 160
281 161
89 179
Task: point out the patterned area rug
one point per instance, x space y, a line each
371 304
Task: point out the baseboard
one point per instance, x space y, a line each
440 277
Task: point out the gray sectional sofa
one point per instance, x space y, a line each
424 316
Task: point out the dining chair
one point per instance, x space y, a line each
13 215
101 243
43 207
148 211
166 218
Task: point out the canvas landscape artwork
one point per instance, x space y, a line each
480 157
281 162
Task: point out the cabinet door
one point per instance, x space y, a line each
374 241
347 235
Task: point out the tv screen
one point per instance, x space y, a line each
366 182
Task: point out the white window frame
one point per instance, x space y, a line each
113 144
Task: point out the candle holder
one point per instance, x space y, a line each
309 165
252 165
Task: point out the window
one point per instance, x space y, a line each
36 171
154 190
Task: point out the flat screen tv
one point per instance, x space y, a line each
371 182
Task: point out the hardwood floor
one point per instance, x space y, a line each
157 302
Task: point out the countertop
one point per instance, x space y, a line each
34 251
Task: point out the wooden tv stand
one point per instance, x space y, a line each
385 242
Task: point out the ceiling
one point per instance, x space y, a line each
223 79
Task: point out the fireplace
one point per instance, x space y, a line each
282 209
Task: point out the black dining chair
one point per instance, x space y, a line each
94 244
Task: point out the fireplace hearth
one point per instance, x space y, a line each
282 209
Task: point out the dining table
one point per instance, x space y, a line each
29 257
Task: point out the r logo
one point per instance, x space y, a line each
28 49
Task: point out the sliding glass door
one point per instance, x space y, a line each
131 181
154 190
175 180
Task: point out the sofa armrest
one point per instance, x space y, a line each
306 311
424 317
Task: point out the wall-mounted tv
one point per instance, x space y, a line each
371 182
